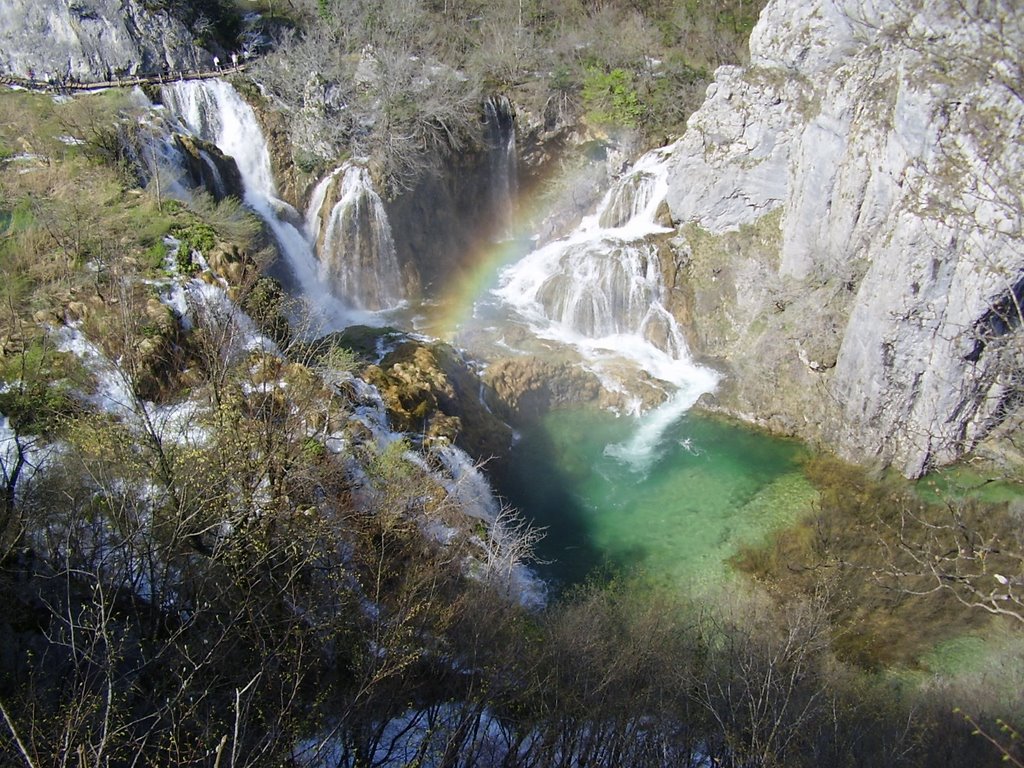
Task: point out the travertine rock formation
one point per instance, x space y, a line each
850 209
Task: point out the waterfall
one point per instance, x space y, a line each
601 290
357 252
500 130
604 279
630 199
316 202
213 111
212 178
468 484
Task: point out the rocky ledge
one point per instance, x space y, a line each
94 40
850 209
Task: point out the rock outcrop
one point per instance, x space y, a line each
525 388
850 208
93 40
431 391
208 168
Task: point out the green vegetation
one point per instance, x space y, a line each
609 98
895 566
229 566
39 386
195 236
401 82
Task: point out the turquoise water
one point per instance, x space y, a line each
709 487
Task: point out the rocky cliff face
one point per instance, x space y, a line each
850 210
93 40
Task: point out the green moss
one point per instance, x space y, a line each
153 258
195 236
38 386
313 450
610 98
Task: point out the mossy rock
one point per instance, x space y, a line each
363 340
430 390
524 388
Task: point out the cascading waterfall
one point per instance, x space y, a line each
357 252
212 177
358 259
631 198
213 111
603 279
316 204
500 128
600 289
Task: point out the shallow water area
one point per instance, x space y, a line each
961 481
672 516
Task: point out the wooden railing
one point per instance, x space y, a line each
67 85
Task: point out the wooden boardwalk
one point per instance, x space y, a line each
67 85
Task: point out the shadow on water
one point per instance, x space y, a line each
536 480
702 490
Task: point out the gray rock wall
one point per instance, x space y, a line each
877 309
92 40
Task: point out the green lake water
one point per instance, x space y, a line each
672 511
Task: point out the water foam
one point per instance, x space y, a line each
600 290
214 111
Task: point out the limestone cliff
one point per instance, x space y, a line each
93 40
850 211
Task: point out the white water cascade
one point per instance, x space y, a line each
213 111
500 128
356 250
600 289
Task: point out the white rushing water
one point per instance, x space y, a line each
316 203
356 250
600 289
500 130
213 111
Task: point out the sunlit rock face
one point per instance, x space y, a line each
850 205
93 40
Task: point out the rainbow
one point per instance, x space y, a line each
454 306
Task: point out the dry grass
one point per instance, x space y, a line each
852 545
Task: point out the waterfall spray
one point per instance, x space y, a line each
601 290
358 259
213 110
